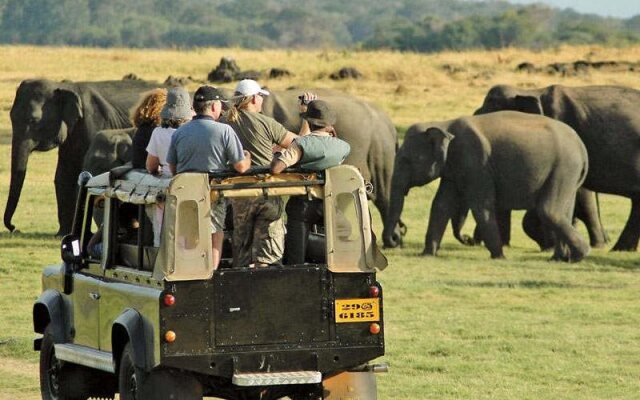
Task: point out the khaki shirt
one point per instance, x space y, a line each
293 154
258 133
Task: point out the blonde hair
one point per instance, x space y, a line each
147 111
233 115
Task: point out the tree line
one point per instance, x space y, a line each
414 25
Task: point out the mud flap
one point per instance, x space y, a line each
350 386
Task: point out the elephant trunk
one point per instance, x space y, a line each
399 188
20 150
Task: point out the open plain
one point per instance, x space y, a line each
459 326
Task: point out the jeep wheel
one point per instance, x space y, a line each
57 377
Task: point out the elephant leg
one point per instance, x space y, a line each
457 222
66 187
487 224
477 235
628 240
503 219
534 228
504 226
588 212
444 206
556 212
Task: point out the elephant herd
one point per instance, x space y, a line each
547 151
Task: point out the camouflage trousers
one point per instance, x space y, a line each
258 231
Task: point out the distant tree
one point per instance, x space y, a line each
44 21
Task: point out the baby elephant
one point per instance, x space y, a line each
489 163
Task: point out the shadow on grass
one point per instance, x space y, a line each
16 235
631 263
524 284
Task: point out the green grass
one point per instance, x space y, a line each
458 326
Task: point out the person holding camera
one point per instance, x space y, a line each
317 151
258 235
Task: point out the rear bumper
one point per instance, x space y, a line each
226 365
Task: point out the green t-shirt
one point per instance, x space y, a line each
258 133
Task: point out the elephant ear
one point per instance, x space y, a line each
71 107
528 104
439 141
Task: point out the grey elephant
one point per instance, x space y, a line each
607 120
108 149
47 114
491 163
366 128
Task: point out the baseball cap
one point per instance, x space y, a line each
208 93
178 105
249 87
319 113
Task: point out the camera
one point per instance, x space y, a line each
303 101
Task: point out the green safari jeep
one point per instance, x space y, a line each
159 322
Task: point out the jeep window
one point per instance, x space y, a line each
130 242
94 210
348 239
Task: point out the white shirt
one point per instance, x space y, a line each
159 146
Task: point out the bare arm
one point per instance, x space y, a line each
172 168
245 164
277 166
152 164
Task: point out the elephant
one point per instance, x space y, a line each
110 148
47 114
607 121
367 129
490 164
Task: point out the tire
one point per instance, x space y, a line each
129 376
159 384
59 380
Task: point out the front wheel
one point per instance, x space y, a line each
60 380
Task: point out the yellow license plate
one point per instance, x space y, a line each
357 310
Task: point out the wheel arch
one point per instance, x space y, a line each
49 309
131 326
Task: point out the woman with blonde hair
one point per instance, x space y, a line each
258 234
145 118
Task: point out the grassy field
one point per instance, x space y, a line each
459 326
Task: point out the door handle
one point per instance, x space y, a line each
94 296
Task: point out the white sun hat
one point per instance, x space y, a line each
249 87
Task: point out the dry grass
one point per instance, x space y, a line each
411 87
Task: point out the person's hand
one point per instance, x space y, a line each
305 98
247 155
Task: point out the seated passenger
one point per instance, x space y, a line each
318 150
127 230
176 111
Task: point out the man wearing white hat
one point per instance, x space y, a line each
258 235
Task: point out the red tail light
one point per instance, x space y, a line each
169 300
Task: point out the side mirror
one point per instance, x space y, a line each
70 250
71 254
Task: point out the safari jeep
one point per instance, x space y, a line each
160 323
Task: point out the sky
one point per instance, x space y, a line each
609 8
